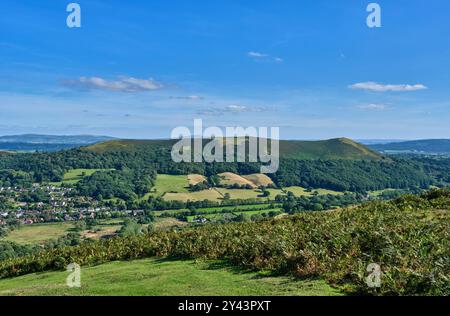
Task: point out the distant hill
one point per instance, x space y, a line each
339 148
379 141
129 145
333 149
53 139
33 142
427 146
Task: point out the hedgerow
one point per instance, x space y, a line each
408 238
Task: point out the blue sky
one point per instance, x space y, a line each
137 69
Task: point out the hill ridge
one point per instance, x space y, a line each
331 149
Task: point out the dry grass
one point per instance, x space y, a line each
195 179
229 178
259 179
103 233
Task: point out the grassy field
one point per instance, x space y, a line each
176 188
167 223
380 192
75 175
218 216
241 194
39 233
211 195
152 277
166 183
259 179
229 178
300 191
214 209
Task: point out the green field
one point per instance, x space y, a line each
300 191
75 175
153 277
378 193
241 194
39 233
168 183
218 216
214 209
176 188
210 194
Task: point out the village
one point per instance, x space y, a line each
46 204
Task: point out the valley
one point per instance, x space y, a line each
129 204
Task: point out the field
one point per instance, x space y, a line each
75 175
218 216
169 184
229 178
38 233
213 210
210 194
259 179
380 192
240 194
299 191
153 277
194 179
176 188
167 223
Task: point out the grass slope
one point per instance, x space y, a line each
259 179
153 277
229 178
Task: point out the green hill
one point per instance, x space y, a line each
156 277
339 148
333 149
129 145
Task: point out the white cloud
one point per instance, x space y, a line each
123 84
189 97
378 87
231 109
236 108
257 55
264 57
372 106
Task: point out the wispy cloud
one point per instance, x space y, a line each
189 98
257 55
264 57
231 109
372 106
122 84
379 87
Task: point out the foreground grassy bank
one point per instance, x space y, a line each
408 238
153 277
